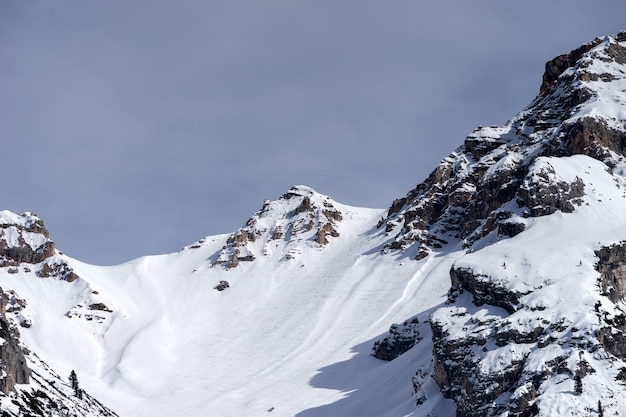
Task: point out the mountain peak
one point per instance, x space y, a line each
489 183
301 216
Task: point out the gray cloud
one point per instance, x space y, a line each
138 127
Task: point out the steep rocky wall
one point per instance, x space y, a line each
12 359
612 268
484 289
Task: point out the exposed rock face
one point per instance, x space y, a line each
612 268
543 193
12 360
498 357
498 173
612 282
484 289
299 215
558 65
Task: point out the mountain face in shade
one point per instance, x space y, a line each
494 288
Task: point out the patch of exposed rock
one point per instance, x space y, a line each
58 269
222 285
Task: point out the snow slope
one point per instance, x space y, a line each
291 335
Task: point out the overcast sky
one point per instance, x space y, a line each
138 127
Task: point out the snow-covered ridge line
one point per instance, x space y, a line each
504 272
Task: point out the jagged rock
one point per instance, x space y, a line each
612 282
23 238
14 366
543 193
299 215
400 338
100 307
478 387
326 230
59 269
558 65
457 370
485 289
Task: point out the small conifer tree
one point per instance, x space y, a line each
578 384
75 386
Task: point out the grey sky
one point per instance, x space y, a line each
138 127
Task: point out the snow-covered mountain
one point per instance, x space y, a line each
495 287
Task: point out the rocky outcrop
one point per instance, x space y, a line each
484 289
222 285
23 238
557 66
57 268
399 339
32 387
543 194
300 215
